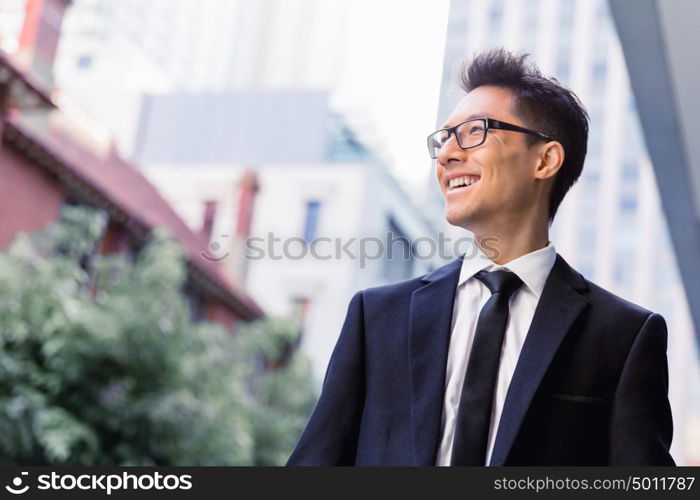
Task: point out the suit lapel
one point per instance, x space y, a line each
560 304
430 321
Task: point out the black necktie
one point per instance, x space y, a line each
474 414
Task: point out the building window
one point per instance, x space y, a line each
600 73
84 61
566 21
530 26
624 270
630 173
563 69
496 18
588 238
595 137
313 208
628 203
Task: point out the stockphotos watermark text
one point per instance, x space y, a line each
362 250
105 483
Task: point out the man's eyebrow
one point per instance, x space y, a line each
462 120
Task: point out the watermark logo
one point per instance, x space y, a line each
17 488
363 250
215 247
107 483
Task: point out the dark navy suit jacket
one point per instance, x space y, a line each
590 386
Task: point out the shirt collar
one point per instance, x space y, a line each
532 268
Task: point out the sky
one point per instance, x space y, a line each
392 78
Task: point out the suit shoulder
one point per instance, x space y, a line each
603 298
399 288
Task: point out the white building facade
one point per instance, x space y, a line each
328 219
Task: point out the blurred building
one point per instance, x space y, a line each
325 209
206 45
47 159
131 47
659 39
228 101
611 226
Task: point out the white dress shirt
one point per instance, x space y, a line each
471 295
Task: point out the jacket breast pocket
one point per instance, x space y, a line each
575 398
578 429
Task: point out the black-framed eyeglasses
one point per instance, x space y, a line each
472 133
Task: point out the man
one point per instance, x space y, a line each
510 358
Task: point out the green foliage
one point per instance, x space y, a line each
100 363
283 395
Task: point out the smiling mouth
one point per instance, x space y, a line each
461 183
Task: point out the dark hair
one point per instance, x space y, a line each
543 103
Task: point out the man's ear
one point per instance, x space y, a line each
549 160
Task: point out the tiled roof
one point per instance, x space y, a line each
109 181
25 91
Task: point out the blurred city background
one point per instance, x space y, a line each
165 165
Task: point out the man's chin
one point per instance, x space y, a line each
459 218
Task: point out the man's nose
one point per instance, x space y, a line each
450 151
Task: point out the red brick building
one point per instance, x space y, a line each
46 162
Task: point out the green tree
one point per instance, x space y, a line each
281 385
100 363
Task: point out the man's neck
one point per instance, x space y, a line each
507 244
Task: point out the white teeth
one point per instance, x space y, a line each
462 181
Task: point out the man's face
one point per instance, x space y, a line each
503 167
